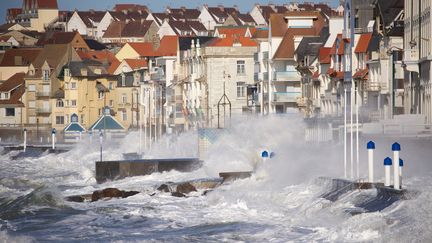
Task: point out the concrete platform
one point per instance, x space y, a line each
231 176
33 150
384 197
113 170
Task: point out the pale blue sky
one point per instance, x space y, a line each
154 5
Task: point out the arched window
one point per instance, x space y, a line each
59 103
74 118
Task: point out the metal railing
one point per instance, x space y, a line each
411 55
286 76
286 96
43 110
43 93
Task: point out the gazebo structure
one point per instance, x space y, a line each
108 125
74 130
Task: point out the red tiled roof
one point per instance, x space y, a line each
168 46
361 74
340 51
118 29
315 75
56 38
13 12
28 55
261 34
363 43
233 31
137 63
231 40
14 85
324 55
47 4
101 56
144 49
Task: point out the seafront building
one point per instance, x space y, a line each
178 69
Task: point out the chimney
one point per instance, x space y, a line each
221 7
84 72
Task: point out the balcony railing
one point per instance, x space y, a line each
265 55
43 110
286 76
43 93
411 55
256 57
373 86
286 96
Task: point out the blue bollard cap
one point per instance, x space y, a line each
264 154
53 131
396 147
387 161
25 129
370 145
401 162
272 155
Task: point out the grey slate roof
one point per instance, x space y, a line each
309 46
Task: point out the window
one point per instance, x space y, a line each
101 94
66 72
123 80
241 67
111 103
124 115
73 85
66 85
110 85
73 103
67 103
10 111
59 103
32 87
82 119
241 89
59 120
124 99
32 104
6 96
46 74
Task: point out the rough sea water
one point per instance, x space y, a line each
280 203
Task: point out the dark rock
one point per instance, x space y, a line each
164 188
206 192
129 194
177 194
185 188
111 193
75 199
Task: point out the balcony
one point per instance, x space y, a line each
265 76
256 77
286 76
43 93
256 57
411 59
286 96
265 55
43 110
373 86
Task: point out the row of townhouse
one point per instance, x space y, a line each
43 15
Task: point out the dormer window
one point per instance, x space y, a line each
101 95
46 74
59 103
67 72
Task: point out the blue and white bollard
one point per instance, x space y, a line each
401 164
371 148
396 149
387 166
265 155
25 139
53 134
